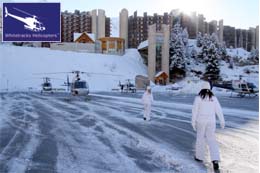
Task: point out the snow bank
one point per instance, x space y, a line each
143 44
240 52
18 64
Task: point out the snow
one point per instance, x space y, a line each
107 134
238 52
43 60
143 44
19 65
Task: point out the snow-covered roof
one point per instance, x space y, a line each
143 44
159 73
77 35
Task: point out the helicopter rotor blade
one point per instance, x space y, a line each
106 74
24 12
50 73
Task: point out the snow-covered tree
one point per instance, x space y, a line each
185 37
203 54
193 53
199 39
177 48
221 47
210 54
222 51
254 55
212 63
214 39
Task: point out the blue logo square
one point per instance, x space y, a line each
24 22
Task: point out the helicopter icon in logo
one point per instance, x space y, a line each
31 23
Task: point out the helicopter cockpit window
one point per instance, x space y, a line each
47 85
38 25
80 84
244 87
251 85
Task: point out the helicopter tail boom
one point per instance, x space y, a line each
6 12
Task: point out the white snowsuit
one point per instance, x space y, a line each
204 113
147 100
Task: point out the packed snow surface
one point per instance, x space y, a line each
105 132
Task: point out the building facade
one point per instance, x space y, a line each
229 36
241 38
112 45
78 22
1 24
137 28
123 26
155 51
257 38
220 30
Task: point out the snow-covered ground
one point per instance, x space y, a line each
106 133
19 64
238 52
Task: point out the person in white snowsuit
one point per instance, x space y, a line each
204 111
147 100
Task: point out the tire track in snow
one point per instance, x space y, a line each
17 143
121 124
66 143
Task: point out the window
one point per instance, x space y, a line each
81 84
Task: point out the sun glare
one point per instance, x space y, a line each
186 6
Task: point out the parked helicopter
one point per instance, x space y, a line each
32 23
128 86
77 86
46 85
241 87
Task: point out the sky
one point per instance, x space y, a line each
238 13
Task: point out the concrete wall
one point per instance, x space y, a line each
165 50
0 23
151 51
123 26
220 31
94 22
257 38
101 24
252 32
77 47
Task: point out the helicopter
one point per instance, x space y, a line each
128 86
31 23
241 87
46 85
77 86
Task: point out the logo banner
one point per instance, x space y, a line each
31 22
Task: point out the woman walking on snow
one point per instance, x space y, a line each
204 111
147 100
